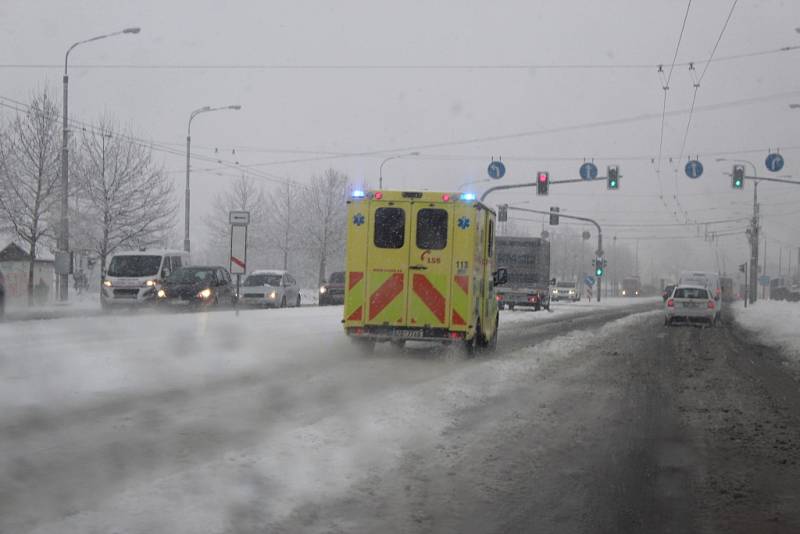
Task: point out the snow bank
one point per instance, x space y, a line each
568 309
774 323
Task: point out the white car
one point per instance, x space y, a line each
690 304
565 291
272 289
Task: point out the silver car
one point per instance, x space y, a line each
272 289
690 304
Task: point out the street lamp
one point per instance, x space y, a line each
753 234
192 115
63 234
380 170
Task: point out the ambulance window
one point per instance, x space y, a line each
432 229
390 227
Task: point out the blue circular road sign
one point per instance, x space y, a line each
774 162
693 168
496 170
588 171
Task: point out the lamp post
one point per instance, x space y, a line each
380 169
753 288
63 234
192 115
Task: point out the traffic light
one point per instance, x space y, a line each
542 183
737 177
554 215
502 213
599 267
613 177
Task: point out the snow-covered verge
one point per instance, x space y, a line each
774 323
567 309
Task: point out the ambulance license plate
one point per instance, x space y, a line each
417 332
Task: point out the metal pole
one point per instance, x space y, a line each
598 252
63 241
186 242
763 287
754 248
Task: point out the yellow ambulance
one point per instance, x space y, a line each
420 266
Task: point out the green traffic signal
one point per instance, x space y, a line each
599 271
737 177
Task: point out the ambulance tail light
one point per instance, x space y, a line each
456 335
498 297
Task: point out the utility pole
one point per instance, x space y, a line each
754 247
763 287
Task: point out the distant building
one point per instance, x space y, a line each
14 263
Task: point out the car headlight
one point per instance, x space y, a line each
204 294
162 294
323 289
107 283
272 295
571 291
555 292
624 292
150 283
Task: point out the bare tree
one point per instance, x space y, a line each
29 175
324 226
127 198
244 195
282 216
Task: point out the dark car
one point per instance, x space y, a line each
667 292
197 286
332 291
2 295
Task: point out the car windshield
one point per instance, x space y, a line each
336 278
191 275
134 266
690 293
263 279
566 284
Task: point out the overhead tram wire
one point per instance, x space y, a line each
84 126
665 88
445 67
697 87
548 131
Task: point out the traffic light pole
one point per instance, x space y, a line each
504 187
599 251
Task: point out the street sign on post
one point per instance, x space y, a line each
241 218
774 162
763 280
694 169
554 215
588 171
238 257
496 170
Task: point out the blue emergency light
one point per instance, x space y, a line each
467 197
358 194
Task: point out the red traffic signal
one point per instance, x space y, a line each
542 183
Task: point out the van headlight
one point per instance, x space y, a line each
322 290
571 291
272 295
204 294
150 283
162 294
107 283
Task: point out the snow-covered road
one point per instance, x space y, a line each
210 422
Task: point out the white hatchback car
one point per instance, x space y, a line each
690 304
273 289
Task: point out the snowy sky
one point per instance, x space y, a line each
324 115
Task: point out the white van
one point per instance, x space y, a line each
705 279
133 277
